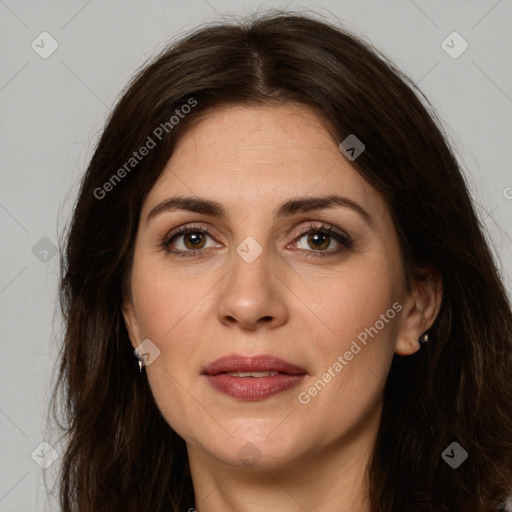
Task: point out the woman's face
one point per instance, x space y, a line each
257 274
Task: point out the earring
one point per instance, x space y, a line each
141 362
424 338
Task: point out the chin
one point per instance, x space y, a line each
256 448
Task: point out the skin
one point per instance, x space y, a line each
288 302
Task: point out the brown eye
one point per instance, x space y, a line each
319 240
188 241
194 240
323 240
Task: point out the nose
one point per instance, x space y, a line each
252 294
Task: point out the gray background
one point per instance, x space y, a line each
53 109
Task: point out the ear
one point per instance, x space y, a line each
420 310
130 321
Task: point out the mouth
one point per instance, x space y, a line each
253 378
254 375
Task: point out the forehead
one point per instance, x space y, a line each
257 156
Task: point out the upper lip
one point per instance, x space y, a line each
258 363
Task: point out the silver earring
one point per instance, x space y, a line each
141 365
424 338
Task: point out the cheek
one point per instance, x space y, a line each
359 311
167 313
165 300
352 366
349 301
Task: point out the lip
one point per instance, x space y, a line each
253 388
259 363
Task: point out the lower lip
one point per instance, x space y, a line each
253 388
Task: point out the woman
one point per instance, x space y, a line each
277 292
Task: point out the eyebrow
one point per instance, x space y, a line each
288 208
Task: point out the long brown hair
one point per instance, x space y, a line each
121 455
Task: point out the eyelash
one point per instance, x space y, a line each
341 238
